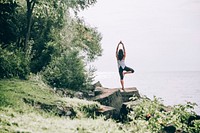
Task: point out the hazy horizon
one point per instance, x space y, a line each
159 35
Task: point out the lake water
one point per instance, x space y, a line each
172 87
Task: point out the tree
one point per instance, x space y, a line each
49 17
66 71
74 46
30 6
87 39
8 26
45 32
74 4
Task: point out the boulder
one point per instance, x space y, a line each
79 95
57 108
97 84
114 98
128 93
106 111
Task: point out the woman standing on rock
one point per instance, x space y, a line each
123 69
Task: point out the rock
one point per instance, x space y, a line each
79 95
125 109
98 90
114 98
128 93
169 129
48 107
57 108
29 101
97 84
59 92
66 111
106 111
91 94
63 92
123 113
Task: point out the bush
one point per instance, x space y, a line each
13 64
196 127
156 117
66 71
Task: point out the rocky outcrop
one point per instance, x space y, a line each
57 108
113 97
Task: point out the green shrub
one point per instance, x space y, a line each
13 64
196 128
66 71
156 116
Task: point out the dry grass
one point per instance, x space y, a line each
38 123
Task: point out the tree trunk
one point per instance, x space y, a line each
30 6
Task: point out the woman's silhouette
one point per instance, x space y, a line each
123 69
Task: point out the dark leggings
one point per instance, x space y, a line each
125 69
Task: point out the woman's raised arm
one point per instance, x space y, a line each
117 49
123 49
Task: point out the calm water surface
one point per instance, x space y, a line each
172 87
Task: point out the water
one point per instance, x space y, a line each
172 87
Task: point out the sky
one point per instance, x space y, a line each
159 35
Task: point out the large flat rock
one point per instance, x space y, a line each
114 97
102 92
128 93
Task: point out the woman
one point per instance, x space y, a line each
121 55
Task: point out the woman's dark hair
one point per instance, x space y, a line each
120 54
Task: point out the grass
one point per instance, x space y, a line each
33 122
18 116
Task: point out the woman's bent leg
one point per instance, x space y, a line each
128 70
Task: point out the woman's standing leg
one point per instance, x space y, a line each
122 83
121 77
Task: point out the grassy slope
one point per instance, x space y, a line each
17 116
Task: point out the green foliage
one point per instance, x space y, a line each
89 109
77 35
13 64
15 90
182 113
41 57
53 25
155 116
70 48
66 71
87 39
8 21
196 128
16 116
146 107
51 32
78 5
12 93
